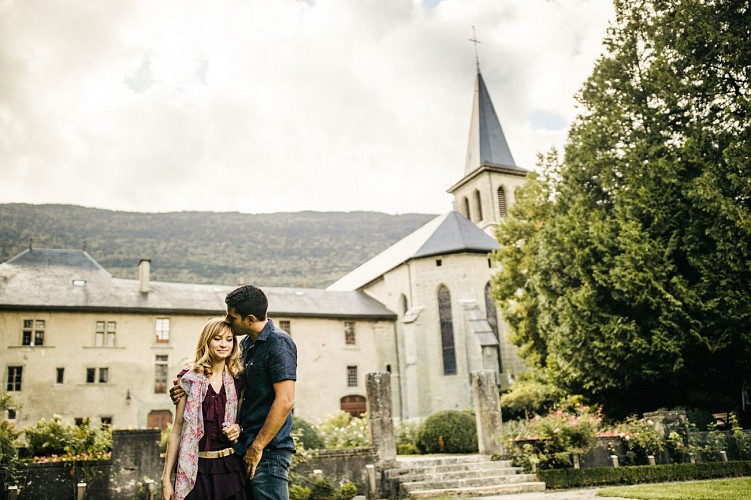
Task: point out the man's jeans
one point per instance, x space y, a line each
271 481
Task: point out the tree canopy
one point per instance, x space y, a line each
626 269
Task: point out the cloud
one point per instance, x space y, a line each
276 106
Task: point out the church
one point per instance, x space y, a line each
89 347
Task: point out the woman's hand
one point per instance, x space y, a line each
168 493
232 432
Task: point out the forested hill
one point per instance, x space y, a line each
309 249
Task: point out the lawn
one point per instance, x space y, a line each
716 489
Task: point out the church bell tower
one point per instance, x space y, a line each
491 176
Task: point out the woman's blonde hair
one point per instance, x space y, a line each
203 359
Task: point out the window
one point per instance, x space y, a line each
105 422
466 209
15 378
33 332
351 376
354 405
438 262
81 421
447 331
60 375
91 375
404 304
349 332
161 367
502 210
12 413
162 329
105 334
286 326
478 205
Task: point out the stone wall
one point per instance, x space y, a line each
338 466
135 461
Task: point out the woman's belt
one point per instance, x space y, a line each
216 454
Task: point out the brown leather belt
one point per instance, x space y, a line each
216 454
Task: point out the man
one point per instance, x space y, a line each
270 360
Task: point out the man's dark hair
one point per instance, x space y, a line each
248 299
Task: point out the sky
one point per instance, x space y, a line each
277 106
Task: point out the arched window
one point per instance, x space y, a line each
466 208
478 205
447 331
354 405
404 304
502 202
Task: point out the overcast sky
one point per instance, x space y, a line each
283 105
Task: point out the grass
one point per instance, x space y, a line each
715 489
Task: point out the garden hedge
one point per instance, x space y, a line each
599 476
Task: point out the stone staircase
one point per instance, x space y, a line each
457 476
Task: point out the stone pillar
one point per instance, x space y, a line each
487 412
380 418
135 459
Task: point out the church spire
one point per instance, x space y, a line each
487 143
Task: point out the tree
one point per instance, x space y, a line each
641 266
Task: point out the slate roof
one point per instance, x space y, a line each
43 279
487 142
446 234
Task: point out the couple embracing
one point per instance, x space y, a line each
231 437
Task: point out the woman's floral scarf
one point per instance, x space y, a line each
196 385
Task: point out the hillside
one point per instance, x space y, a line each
309 249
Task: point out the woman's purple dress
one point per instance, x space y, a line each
218 478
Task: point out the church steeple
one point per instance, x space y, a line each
491 175
487 143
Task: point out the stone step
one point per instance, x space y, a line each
411 461
480 491
467 482
437 469
454 472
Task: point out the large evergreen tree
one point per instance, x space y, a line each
635 289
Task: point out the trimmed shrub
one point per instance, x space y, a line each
347 491
297 492
449 431
599 476
322 490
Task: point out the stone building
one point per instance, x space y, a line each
80 343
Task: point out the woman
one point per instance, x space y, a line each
201 439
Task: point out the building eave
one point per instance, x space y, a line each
501 169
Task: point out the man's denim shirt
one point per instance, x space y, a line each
270 359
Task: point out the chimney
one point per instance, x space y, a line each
144 267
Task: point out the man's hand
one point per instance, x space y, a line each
252 457
176 392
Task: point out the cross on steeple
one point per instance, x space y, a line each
475 41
